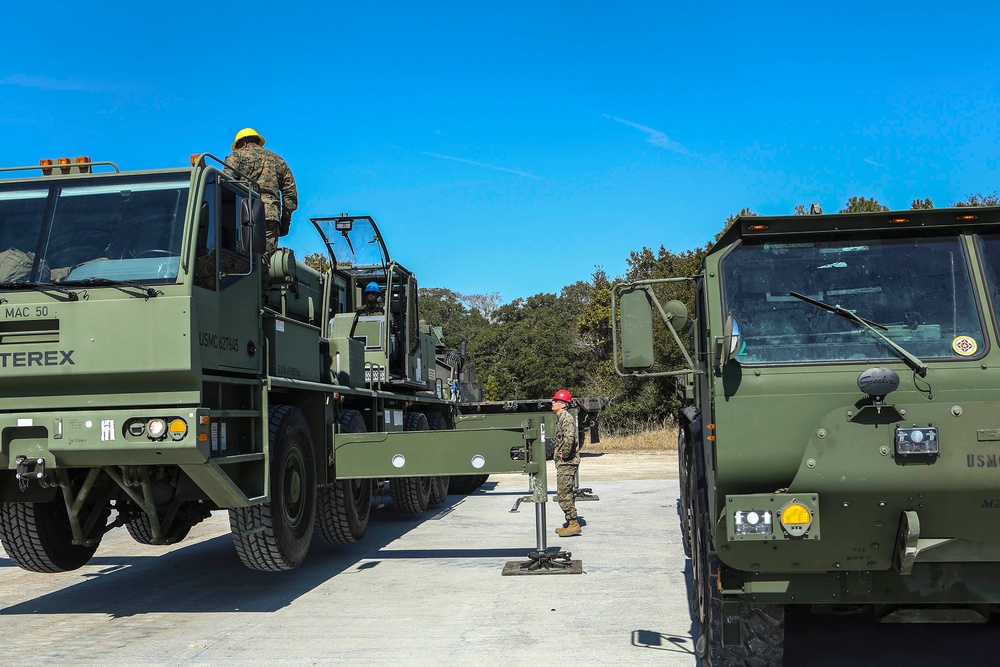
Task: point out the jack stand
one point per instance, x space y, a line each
582 494
541 560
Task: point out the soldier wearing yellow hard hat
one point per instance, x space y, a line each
275 181
247 132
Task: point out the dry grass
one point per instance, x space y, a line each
662 439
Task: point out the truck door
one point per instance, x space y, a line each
230 296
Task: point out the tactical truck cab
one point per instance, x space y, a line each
840 419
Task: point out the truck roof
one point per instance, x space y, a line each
751 226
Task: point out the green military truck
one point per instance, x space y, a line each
146 380
840 420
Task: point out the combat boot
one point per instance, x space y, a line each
571 529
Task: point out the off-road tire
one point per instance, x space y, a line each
440 484
465 484
38 537
139 528
410 495
762 627
275 536
344 507
684 509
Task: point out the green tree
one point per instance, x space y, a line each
444 308
863 205
979 199
918 204
318 261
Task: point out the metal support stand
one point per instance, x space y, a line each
541 561
582 494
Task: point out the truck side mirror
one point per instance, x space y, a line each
254 236
678 314
637 329
731 342
632 316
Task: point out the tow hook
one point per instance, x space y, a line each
27 470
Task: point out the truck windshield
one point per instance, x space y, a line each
121 229
918 288
989 250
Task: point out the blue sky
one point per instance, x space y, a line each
513 146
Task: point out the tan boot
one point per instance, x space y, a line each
573 528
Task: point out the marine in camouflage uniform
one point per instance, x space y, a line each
567 460
275 182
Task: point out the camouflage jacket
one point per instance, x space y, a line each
273 178
566 450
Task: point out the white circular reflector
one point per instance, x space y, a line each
398 460
478 461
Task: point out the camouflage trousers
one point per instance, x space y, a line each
271 237
565 481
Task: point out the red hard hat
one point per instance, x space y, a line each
563 395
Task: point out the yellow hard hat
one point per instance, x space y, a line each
247 132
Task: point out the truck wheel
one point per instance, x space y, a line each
684 511
439 485
762 627
465 484
343 508
38 537
142 532
275 536
411 495
461 485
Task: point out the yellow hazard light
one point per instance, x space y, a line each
194 158
46 163
178 429
83 164
796 519
898 221
795 515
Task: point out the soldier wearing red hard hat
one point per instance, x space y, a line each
567 459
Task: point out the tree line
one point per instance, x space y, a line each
532 346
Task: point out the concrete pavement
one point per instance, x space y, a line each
425 591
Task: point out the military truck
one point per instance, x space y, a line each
147 378
840 419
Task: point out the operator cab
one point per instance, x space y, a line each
389 328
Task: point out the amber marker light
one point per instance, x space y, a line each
710 438
898 221
178 428
795 514
966 218
795 518
204 419
83 163
46 163
64 164
759 227
194 158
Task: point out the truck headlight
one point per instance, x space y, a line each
753 522
156 428
917 440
